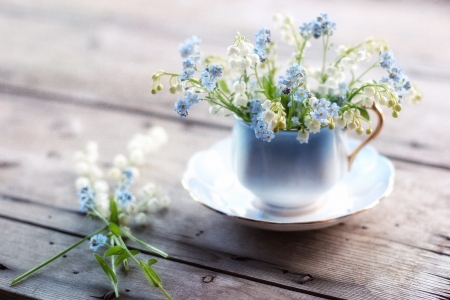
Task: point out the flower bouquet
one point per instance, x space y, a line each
249 84
289 145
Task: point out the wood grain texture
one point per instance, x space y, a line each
105 55
77 276
397 250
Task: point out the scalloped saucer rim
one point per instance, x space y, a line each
210 180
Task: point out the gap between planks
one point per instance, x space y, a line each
185 262
50 96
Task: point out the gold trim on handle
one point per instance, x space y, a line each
377 109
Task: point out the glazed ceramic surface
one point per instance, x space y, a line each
212 181
285 174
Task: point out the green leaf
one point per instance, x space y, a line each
151 261
364 113
124 256
223 86
114 229
114 217
156 250
107 269
151 275
116 250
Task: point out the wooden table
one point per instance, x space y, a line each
75 71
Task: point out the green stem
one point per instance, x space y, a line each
56 256
113 258
325 47
301 51
130 236
364 73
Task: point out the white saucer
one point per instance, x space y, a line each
210 180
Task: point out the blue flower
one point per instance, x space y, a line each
316 29
320 115
215 71
333 110
267 136
324 103
322 17
208 83
260 44
296 70
189 47
254 106
191 98
305 29
128 177
188 63
187 74
204 73
262 53
86 198
194 58
263 34
387 60
124 196
97 241
384 80
295 121
262 130
181 108
396 74
301 95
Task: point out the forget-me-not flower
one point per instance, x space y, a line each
97 241
86 198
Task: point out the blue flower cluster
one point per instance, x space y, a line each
263 130
128 177
254 107
183 104
189 67
300 96
209 75
293 73
123 194
262 38
189 46
86 198
321 26
322 109
398 82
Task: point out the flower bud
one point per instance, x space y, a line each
390 103
368 131
395 114
351 125
153 91
267 104
398 107
331 126
369 91
233 51
348 115
159 87
173 89
155 76
239 87
383 100
359 131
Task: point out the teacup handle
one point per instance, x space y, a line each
377 109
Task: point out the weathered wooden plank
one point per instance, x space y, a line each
107 55
380 258
77 276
